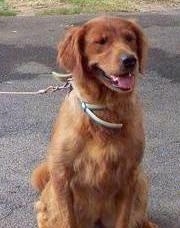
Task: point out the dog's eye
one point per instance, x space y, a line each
130 37
102 41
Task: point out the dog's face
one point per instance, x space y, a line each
111 49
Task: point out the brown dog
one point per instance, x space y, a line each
93 177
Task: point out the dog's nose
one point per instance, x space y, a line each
129 61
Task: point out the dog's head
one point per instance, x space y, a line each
110 50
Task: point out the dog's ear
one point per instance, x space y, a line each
142 45
69 50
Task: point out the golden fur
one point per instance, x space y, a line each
92 176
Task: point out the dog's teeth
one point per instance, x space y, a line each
130 75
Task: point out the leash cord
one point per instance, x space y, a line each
50 89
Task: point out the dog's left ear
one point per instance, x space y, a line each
142 45
69 51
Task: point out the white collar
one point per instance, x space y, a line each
87 107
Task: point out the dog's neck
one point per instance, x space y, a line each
94 92
119 108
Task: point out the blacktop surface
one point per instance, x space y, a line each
27 58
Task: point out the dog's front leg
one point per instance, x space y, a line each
60 184
125 206
124 213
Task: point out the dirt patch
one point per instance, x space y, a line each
158 5
33 7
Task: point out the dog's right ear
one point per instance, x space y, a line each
69 50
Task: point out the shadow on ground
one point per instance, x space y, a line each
11 55
165 64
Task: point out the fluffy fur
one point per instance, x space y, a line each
92 176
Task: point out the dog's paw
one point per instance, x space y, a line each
150 225
41 215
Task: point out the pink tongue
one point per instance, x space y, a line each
123 82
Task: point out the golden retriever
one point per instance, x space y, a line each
93 175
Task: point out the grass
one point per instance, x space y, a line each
55 7
92 6
95 6
4 9
63 11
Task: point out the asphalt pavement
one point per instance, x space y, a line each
27 58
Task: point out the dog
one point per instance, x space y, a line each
93 176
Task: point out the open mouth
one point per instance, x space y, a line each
124 82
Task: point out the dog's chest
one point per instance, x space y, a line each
100 168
